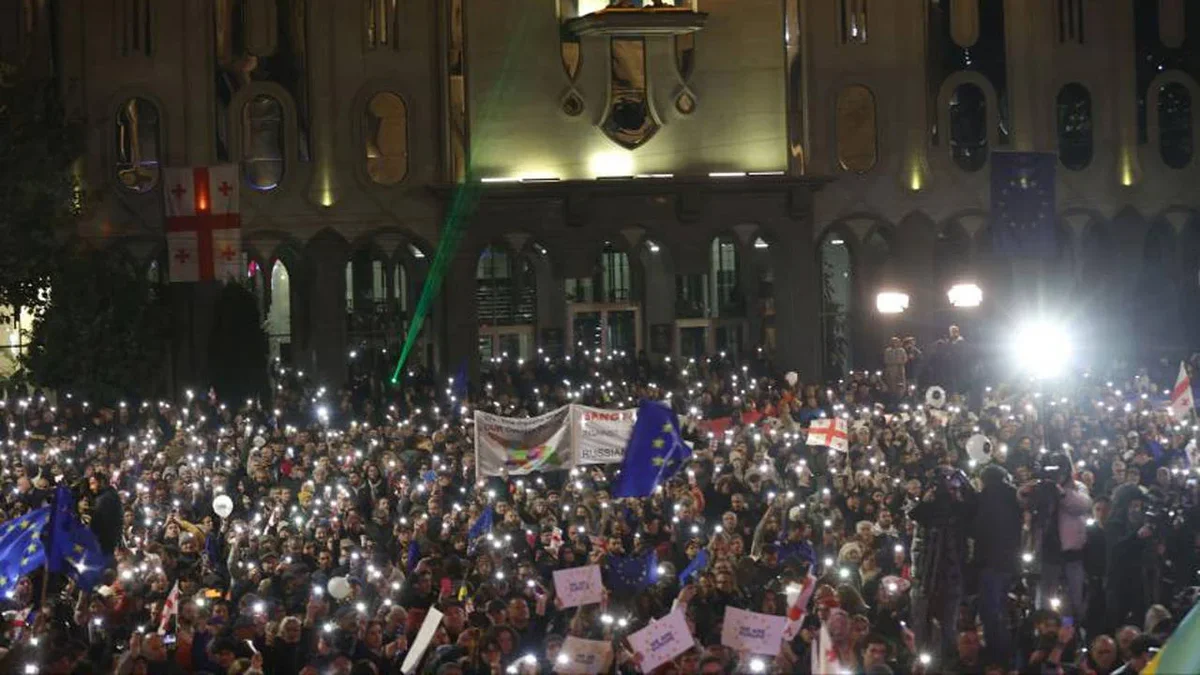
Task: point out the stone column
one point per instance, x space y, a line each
797 300
326 282
462 315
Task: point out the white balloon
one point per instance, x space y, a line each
339 587
792 378
223 505
935 397
979 449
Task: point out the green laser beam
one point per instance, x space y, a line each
466 198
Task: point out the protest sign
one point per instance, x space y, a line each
661 641
583 657
752 632
579 586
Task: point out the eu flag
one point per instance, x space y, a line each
71 547
698 565
654 453
632 573
414 556
1023 205
482 524
21 550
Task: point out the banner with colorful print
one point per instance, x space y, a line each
516 446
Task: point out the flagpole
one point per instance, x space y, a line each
46 541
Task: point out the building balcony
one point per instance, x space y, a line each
638 18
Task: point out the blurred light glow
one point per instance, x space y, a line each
891 302
1042 348
965 295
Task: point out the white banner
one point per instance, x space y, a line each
661 641
579 586
516 446
583 657
600 435
752 632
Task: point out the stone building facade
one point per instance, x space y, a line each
685 177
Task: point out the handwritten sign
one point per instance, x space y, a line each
752 632
583 657
662 640
579 586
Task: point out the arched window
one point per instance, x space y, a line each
279 313
1175 124
1074 126
968 127
837 293
386 129
366 297
262 142
856 129
726 284
137 145
614 275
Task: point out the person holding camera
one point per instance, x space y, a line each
939 553
1060 506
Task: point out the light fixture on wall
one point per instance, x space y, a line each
891 302
965 295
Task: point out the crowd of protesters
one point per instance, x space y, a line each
1073 550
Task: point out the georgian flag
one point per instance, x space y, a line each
825 655
170 608
204 229
829 432
1182 400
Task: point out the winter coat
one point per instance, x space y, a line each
997 529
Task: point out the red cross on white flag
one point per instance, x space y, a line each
204 235
1182 400
170 608
830 432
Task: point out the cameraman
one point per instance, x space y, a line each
939 553
1060 506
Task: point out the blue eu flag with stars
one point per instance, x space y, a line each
71 547
21 550
654 453
1023 204
624 575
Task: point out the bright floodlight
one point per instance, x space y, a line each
891 302
1042 349
965 295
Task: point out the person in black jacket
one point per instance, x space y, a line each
107 517
997 534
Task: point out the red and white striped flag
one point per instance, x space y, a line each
204 227
829 432
1182 400
170 608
